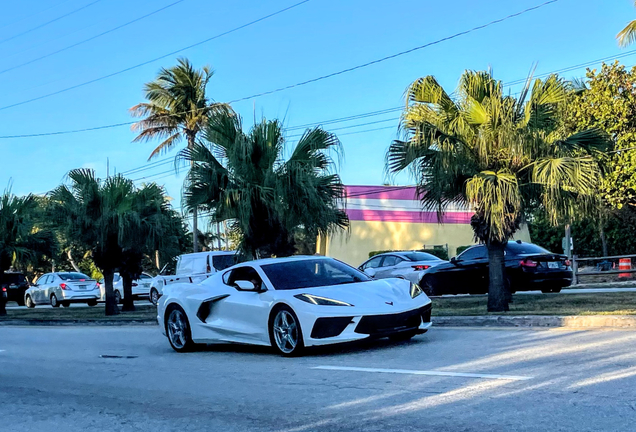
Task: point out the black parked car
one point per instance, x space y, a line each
528 267
15 285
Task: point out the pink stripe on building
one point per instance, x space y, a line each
408 216
382 192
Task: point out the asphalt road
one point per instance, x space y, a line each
53 379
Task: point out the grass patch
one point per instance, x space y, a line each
623 303
96 313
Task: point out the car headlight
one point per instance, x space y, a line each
415 290
322 301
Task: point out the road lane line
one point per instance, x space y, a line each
421 372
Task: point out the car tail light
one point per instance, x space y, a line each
528 263
421 267
82 280
567 263
4 289
64 286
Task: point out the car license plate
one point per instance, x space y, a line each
553 264
82 287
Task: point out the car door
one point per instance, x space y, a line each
387 269
244 314
36 291
371 266
470 273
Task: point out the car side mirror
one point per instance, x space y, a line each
370 272
243 285
454 260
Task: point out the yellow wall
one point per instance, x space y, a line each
366 236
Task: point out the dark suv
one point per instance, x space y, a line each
15 284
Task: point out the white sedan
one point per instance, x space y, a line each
140 287
291 303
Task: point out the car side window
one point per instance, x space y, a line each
373 263
474 253
246 273
390 260
184 266
42 280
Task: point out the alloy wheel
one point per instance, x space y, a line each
177 329
285 331
154 297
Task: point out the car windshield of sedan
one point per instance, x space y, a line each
311 273
525 248
72 276
420 256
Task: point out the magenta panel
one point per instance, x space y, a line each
382 192
408 216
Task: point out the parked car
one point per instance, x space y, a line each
62 289
528 267
408 265
192 268
14 284
291 303
140 287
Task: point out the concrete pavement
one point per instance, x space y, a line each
447 380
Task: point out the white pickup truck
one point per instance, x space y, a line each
192 268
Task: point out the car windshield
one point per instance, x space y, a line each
419 256
221 262
72 276
13 278
525 248
311 273
145 276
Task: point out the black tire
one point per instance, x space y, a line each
154 296
403 336
546 290
178 329
92 303
556 290
29 302
53 300
20 301
429 286
288 341
117 297
66 304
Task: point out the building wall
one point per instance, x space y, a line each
392 219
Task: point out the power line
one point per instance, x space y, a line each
156 58
341 119
48 22
34 14
91 38
352 126
392 56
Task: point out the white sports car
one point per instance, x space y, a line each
291 303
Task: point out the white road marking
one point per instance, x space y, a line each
421 372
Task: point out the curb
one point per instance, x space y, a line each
77 323
575 321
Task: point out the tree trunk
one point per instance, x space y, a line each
603 239
111 304
497 295
157 262
3 300
128 303
72 261
195 212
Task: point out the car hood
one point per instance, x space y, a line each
385 294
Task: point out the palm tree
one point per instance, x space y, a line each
23 238
177 109
497 155
627 36
98 215
243 177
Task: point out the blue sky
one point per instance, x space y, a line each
316 38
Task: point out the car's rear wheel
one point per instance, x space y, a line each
154 296
117 297
556 290
178 329
92 303
285 333
429 286
54 301
550 290
28 301
66 304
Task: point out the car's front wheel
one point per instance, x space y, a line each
54 301
429 286
28 301
178 329
154 296
285 333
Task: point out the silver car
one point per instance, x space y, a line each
409 265
62 289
